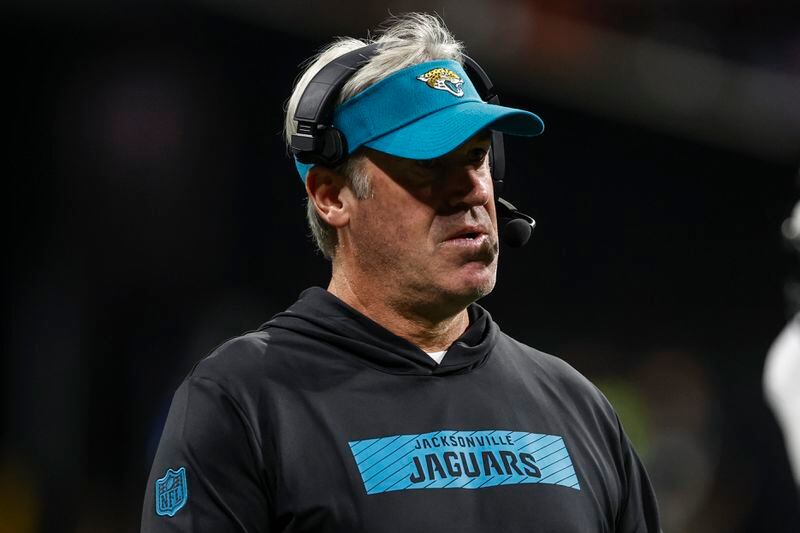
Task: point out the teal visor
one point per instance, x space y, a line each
423 112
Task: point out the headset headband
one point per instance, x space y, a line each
315 108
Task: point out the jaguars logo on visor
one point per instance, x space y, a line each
443 79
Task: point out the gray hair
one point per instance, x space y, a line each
403 41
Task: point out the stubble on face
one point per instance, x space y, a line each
426 240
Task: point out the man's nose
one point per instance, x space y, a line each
469 186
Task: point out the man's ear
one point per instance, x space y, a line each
326 188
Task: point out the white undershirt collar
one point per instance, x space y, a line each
437 356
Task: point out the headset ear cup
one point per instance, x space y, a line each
498 188
497 163
334 147
498 159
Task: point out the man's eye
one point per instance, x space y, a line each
478 155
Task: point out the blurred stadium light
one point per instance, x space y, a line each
633 75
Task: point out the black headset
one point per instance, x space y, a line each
317 141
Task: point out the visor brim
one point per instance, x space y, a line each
445 130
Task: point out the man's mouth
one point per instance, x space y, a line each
472 240
470 233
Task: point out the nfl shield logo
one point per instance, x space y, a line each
171 493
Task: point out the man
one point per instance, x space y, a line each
390 401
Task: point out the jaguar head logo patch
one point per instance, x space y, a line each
171 493
443 79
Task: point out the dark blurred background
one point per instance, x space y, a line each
152 213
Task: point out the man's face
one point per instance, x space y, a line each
429 231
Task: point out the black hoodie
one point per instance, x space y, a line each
323 420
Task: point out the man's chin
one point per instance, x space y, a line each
450 296
474 281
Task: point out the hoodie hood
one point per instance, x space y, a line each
320 315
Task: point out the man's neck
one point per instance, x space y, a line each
416 326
